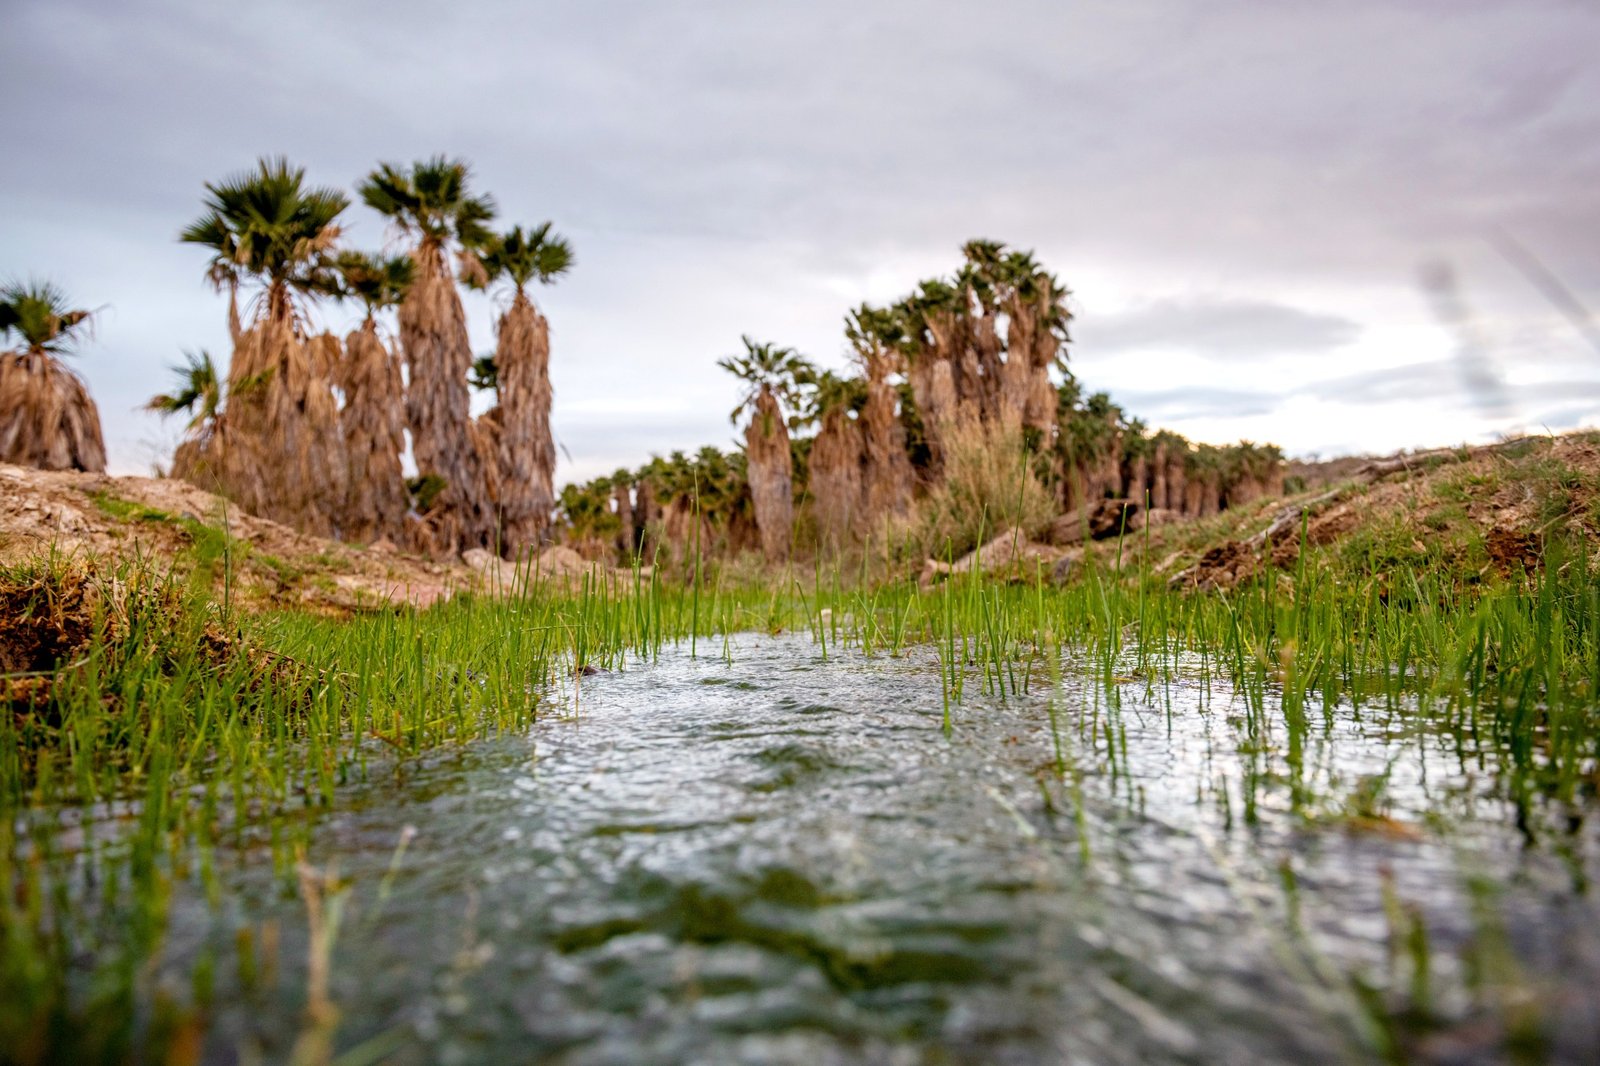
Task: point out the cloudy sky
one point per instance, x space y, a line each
1331 226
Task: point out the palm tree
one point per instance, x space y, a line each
1203 491
269 228
591 525
930 329
875 337
1036 340
484 376
199 394
47 417
984 283
669 488
622 484
525 451
834 474
771 378
430 203
1167 450
373 418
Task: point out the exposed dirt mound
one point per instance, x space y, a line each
54 613
1476 510
45 620
267 564
1224 566
1514 550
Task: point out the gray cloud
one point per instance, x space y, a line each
725 167
1224 329
1444 383
1176 404
1429 382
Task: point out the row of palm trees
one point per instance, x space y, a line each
960 356
969 360
310 429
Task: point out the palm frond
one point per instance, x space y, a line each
485 374
198 392
534 255
268 224
430 200
41 314
377 281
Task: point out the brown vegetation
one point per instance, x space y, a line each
524 447
372 422
284 461
834 478
771 474
433 335
47 418
1474 510
973 364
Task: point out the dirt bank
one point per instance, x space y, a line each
174 523
1480 512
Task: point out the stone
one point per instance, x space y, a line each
1011 549
1099 520
560 561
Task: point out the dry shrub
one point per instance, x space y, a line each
46 618
988 484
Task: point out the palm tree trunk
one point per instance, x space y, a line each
1274 480
198 458
1158 476
47 417
886 475
987 348
1016 376
770 475
835 479
1177 481
438 353
933 388
525 455
627 536
1192 493
373 420
647 514
285 460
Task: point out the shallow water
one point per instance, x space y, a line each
785 860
